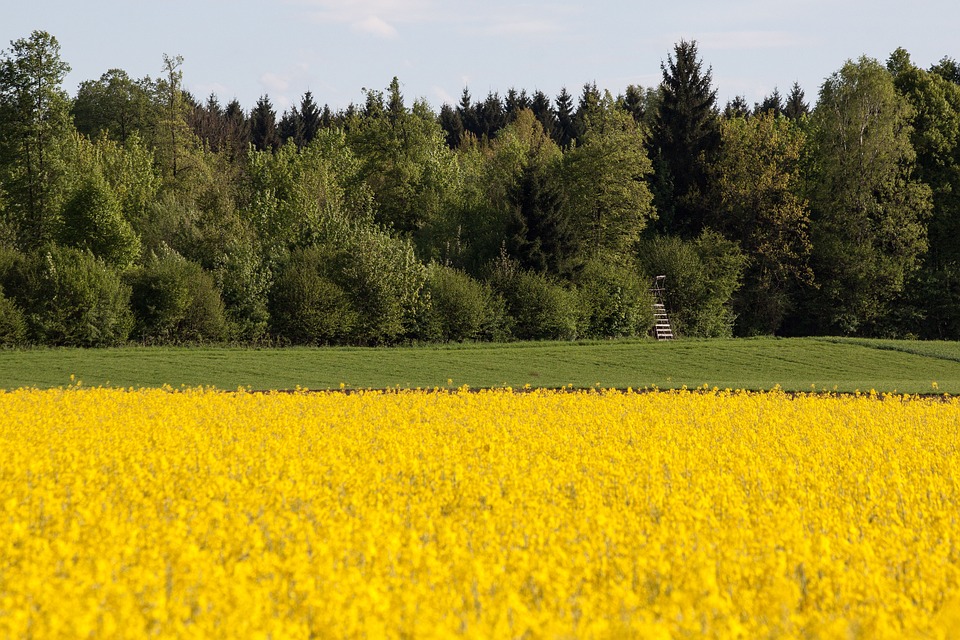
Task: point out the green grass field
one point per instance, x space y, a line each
797 364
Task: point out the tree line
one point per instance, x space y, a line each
134 212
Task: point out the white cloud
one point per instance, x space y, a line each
443 96
386 18
275 82
376 26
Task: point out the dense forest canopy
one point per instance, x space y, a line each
134 211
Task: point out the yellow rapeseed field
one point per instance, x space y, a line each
595 514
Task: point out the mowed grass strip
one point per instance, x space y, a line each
799 364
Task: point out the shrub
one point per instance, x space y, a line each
13 326
462 308
175 300
306 306
615 299
93 219
70 298
539 307
701 278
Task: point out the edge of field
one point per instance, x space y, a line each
794 364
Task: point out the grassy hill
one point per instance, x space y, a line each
797 364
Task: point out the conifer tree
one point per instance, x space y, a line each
736 108
540 105
686 138
263 125
773 103
566 130
796 107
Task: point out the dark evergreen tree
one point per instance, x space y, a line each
290 126
540 105
491 116
468 113
207 122
395 108
773 103
685 141
635 102
516 102
310 119
539 234
796 107
236 130
737 108
326 118
452 126
565 130
263 126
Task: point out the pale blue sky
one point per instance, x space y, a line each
246 48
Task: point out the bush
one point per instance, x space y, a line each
615 299
306 306
539 308
13 326
93 220
70 298
175 300
462 308
701 278
387 284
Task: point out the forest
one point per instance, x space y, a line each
134 212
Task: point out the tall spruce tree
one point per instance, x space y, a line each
310 119
737 108
795 106
452 125
772 103
468 113
540 105
263 125
566 129
539 234
685 141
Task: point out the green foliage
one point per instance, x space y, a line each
701 278
115 106
307 307
685 139
386 283
371 283
406 161
759 204
604 182
461 308
615 300
34 122
299 197
70 298
175 300
92 220
868 212
13 326
539 307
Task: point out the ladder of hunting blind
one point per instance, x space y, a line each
662 328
